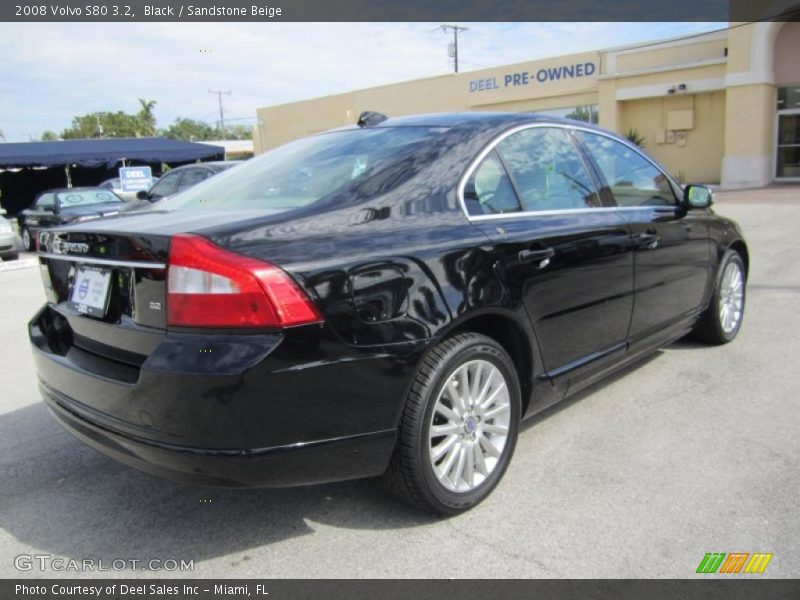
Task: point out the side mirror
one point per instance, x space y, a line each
697 196
142 195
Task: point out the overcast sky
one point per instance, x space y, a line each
51 72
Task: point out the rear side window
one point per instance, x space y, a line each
634 180
531 170
489 189
547 170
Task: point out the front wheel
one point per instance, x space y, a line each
459 426
723 317
27 242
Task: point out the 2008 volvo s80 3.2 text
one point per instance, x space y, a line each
388 298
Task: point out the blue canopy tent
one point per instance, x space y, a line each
85 162
108 152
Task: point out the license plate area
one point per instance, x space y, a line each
91 290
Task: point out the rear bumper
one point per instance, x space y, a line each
259 410
282 466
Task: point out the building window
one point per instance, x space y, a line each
787 163
587 113
789 97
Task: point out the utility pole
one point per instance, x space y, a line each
454 53
219 94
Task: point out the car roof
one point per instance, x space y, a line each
458 118
213 164
472 120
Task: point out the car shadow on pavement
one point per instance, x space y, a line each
592 389
62 497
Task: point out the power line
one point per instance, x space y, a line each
469 62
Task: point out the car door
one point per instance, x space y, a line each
560 251
671 255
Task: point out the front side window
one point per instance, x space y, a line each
634 180
547 170
167 185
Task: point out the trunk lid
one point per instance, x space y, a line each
125 258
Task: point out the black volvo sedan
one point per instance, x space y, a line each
389 298
66 205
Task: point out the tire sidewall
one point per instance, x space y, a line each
26 235
453 502
729 257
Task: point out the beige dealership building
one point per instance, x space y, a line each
722 107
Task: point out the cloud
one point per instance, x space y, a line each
53 71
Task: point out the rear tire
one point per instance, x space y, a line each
459 426
721 321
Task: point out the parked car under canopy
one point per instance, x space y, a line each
27 169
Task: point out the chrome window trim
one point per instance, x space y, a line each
475 162
104 261
566 211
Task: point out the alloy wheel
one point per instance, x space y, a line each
469 426
731 296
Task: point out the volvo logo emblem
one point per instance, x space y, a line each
469 424
83 289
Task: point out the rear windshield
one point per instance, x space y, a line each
85 198
306 170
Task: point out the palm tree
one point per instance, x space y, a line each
147 118
634 137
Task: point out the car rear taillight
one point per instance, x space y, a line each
209 286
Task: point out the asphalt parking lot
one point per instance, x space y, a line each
694 450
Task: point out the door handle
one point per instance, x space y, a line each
543 256
649 240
